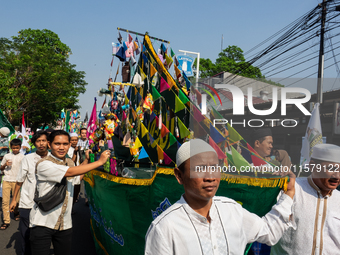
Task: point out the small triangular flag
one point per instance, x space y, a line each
218 150
155 94
216 135
160 154
143 154
144 130
178 72
138 144
167 159
183 97
172 53
152 70
183 131
164 85
172 139
178 104
164 130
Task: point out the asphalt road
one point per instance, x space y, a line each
82 242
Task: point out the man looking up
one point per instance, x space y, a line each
55 225
200 223
26 181
317 204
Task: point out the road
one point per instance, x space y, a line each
82 243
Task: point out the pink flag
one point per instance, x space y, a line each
167 159
23 126
197 114
164 85
91 127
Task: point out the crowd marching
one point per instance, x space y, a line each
42 176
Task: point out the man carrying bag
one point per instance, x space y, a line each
50 217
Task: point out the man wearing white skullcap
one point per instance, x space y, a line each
317 204
201 223
4 143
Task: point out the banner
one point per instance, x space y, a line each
122 209
313 136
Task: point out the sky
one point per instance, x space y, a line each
90 27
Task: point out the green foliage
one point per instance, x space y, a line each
37 78
229 60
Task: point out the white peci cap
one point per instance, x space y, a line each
5 131
326 152
192 148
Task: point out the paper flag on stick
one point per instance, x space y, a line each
164 85
218 150
143 154
167 159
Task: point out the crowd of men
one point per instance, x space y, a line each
304 220
33 174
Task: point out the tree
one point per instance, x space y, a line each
229 60
37 78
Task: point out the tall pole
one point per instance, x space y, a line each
321 53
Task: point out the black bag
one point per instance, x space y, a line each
53 198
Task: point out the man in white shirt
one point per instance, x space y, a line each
55 225
73 154
10 165
316 211
200 223
26 181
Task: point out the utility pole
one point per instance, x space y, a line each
321 52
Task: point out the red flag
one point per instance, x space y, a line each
130 38
23 126
218 150
164 130
257 161
92 123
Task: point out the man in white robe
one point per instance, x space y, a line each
200 223
316 211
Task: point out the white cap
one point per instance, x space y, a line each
326 152
192 148
5 131
73 135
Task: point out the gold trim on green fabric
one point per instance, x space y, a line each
95 237
250 181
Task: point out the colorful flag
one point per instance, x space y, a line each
164 85
23 126
92 122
